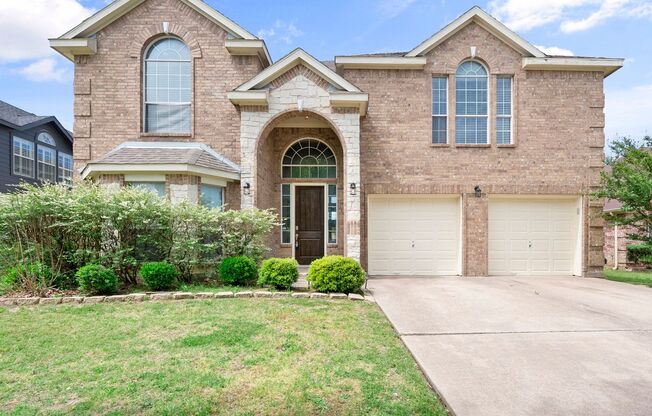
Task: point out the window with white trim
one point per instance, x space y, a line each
332 214
168 87
286 209
471 108
439 110
504 109
46 166
157 188
65 166
309 159
212 196
46 138
23 157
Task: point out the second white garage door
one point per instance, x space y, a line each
534 236
414 235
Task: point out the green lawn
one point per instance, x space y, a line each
638 278
231 357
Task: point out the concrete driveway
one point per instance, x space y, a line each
527 346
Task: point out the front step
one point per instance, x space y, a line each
302 283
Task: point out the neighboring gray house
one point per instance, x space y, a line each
37 148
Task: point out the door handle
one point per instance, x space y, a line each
296 240
412 244
529 244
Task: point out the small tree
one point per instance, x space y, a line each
629 181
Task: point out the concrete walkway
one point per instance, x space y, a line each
527 346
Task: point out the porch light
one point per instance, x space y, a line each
352 187
247 188
478 191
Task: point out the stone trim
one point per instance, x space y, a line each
167 296
300 70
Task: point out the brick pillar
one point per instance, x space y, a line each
476 241
111 182
183 188
595 243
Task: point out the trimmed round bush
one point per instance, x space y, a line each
97 280
336 274
239 271
159 275
278 273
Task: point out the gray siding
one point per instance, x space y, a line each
8 180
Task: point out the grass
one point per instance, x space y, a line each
231 357
199 288
637 278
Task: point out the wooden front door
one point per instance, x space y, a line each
309 223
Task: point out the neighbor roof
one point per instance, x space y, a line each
19 119
168 153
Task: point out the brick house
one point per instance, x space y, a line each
472 154
616 239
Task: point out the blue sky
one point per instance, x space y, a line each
38 80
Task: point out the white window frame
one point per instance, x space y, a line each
289 185
511 110
283 165
32 159
41 163
67 177
445 115
221 188
45 137
144 90
136 184
487 116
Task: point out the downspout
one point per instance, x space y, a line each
616 247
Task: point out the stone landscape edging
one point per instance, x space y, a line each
168 296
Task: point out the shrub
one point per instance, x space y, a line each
336 274
97 280
159 276
33 278
278 273
246 232
639 253
240 270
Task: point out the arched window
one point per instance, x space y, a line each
167 87
46 138
471 107
309 159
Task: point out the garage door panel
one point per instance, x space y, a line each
534 236
423 237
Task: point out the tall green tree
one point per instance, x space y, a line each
628 179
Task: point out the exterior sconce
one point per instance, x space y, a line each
352 188
247 188
478 191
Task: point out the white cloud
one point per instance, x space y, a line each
628 112
392 8
554 50
26 25
570 15
44 70
282 31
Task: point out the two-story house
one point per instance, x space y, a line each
38 149
472 154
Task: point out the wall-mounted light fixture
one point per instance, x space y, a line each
352 188
247 188
478 191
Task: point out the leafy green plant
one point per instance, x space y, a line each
336 274
278 273
33 278
239 270
245 233
639 253
97 280
159 275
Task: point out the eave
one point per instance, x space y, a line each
254 98
350 100
94 169
77 46
606 65
249 47
380 62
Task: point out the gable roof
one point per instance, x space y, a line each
289 61
19 119
119 8
486 21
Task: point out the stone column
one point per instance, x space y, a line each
350 130
250 128
183 188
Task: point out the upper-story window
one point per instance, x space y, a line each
46 163
46 138
504 109
168 87
309 159
471 106
439 110
23 155
65 167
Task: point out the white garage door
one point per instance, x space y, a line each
534 236
414 235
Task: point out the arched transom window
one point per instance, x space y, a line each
167 87
46 138
309 159
471 107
